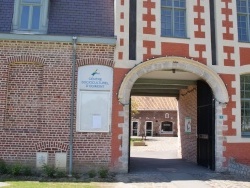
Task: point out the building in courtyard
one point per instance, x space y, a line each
154 116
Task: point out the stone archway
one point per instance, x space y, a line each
167 63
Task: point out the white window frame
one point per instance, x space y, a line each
247 15
167 115
167 132
173 9
244 100
43 23
132 129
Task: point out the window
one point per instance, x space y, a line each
167 115
134 128
243 16
30 16
173 18
166 126
149 128
245 104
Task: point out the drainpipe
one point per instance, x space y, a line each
74 39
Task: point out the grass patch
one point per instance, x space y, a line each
135 139
132 140
137 142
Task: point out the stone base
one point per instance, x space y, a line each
239 169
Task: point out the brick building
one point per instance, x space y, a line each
197 51
157 116
38 48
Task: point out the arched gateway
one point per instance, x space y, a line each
178 63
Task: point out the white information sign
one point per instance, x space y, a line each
94 98
95 77
187 124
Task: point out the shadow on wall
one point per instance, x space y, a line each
188 112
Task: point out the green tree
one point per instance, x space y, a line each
134 107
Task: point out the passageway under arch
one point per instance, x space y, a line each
168 76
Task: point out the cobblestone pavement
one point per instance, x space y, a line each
157 180
157 144
157 166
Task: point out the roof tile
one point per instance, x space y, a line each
156 103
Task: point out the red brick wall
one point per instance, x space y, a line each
228 35
170 48
244 56
35 102
199 9
175 49
228 79
239 151
119 74
24 100
188 108
149 17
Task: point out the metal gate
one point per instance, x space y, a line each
205 126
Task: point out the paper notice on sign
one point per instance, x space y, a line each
97 121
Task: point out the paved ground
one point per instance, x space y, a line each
2 184
157 165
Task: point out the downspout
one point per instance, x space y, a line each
74 39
